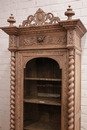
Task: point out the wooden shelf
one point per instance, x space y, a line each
47 85
41 126
43 79
47 101
48 95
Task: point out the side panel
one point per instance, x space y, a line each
19 92
77 90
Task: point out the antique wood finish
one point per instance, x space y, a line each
45 72
71 90
12 96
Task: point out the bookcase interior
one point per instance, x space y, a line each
42 94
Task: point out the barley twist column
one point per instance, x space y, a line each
12 92
71 92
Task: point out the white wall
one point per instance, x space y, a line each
21 9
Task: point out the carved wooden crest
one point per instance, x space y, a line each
40 18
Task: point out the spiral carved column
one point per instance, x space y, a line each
12 92
71 92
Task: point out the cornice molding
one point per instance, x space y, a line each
75 24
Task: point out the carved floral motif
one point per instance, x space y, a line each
57 40
70 40
40 18
12 41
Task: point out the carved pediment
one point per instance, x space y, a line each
40 18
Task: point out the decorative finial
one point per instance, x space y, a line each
69 13
11 20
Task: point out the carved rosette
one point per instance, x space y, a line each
71 91
12 92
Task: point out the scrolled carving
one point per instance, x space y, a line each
49 39
40 18
12 93
71 92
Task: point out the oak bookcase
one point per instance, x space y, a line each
45 72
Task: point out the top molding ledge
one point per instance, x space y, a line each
41 20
